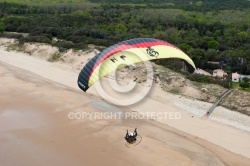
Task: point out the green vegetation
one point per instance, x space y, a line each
55 57
209 79
246 80
234 85
208 30
42 2
244 85
2 26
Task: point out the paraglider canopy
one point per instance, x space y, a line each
126 53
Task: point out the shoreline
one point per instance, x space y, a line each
65 75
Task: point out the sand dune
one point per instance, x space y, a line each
35 128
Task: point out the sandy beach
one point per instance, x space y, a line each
35 129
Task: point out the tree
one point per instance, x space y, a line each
246 80
2 26
212 44
242 36
121 28
185 47
211 54
244 85
217 33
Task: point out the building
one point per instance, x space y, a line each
202 72
219 73
235 77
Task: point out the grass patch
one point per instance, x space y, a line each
234 85
55 57
246 89
15 47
